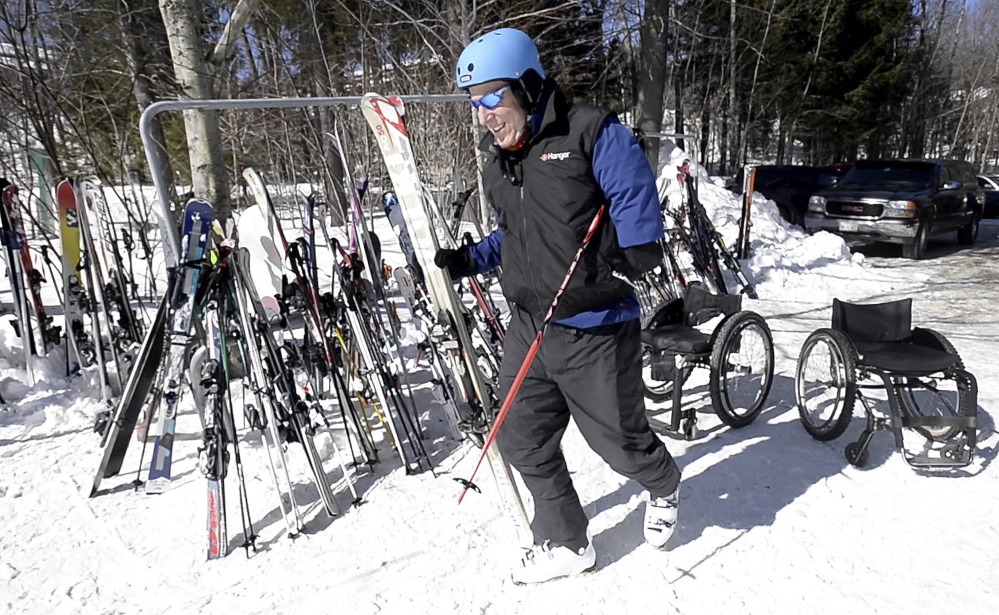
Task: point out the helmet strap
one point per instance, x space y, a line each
529 89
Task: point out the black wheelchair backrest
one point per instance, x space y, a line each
873 322
700 306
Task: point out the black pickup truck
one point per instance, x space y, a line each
901 201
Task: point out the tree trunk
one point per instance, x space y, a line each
652 72
705 135
141 88
732 117
226 44
194 75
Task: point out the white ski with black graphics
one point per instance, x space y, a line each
256 232
385 115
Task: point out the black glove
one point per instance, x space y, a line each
638 260
458 263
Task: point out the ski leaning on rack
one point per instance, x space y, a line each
133 398
126 330
386 118
13 243
13 224
193 239
81 349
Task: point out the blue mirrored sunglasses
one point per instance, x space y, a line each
491 100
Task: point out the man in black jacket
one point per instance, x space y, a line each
550 165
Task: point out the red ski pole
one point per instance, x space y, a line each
533 350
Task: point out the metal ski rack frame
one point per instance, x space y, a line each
158 171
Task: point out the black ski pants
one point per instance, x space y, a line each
595 377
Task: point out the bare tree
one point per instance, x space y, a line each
652 71
194 69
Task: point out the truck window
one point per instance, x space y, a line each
914 176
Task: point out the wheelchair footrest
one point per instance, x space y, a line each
951 456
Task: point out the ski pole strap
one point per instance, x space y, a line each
531 352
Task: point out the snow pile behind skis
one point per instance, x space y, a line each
784 256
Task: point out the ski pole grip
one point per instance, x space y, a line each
593 226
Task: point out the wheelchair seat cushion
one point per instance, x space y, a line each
905 358
679 339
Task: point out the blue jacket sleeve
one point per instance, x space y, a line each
486 253
624 174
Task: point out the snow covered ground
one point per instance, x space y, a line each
771 521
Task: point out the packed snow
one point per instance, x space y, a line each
771 521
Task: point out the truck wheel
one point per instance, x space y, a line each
967 235
917 247
791 216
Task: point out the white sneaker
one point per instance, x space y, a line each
660 518
544 563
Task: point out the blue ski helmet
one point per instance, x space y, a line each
501 55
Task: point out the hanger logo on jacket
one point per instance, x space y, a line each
554 156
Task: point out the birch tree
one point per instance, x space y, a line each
194 69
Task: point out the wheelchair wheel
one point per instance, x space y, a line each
825 384
742 368
855 457
926 396
658 390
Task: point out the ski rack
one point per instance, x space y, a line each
157 166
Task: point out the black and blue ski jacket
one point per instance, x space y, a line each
545 196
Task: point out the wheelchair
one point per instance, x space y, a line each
739 354
932 408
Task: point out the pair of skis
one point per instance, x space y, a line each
95 289
694 231
165 357
25 280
